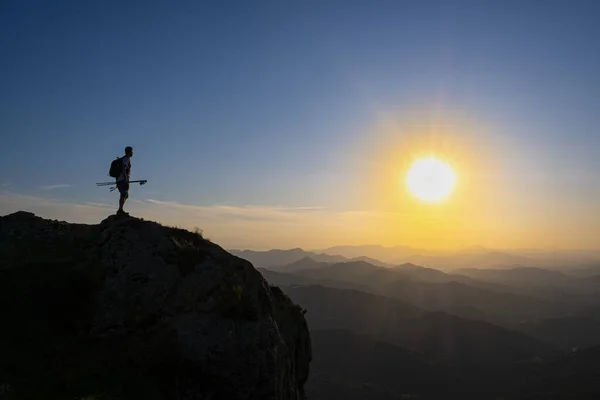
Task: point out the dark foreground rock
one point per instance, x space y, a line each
131 309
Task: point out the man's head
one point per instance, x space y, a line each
129 151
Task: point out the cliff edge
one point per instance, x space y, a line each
132 309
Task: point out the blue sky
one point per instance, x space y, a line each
273 106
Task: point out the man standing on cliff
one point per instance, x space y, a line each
123 179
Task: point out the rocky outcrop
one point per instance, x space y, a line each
132 309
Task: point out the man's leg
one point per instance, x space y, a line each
124 191
122 201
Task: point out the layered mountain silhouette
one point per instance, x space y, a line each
411 332
435 290
305 263
572 262
521 275
290 279
130 309
441 336
277 257
292 259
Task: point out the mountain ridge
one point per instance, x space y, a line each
132 309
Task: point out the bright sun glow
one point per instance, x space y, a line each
431 179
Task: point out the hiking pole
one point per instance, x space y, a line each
141 182
114 184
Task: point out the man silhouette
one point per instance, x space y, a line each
123 179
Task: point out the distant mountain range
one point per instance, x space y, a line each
275 259
368 346
521 275
582 262
428 288
290 279
394 254
283 257
396 331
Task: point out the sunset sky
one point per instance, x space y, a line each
279 124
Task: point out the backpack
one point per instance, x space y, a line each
116 167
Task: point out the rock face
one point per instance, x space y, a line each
131 309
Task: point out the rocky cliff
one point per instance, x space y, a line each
131 309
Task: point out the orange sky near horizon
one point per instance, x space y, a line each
502 199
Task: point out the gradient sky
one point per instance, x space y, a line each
289 123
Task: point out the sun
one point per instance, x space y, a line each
431 179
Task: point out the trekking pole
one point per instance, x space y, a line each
141 182
114 184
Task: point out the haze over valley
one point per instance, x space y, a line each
487 329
